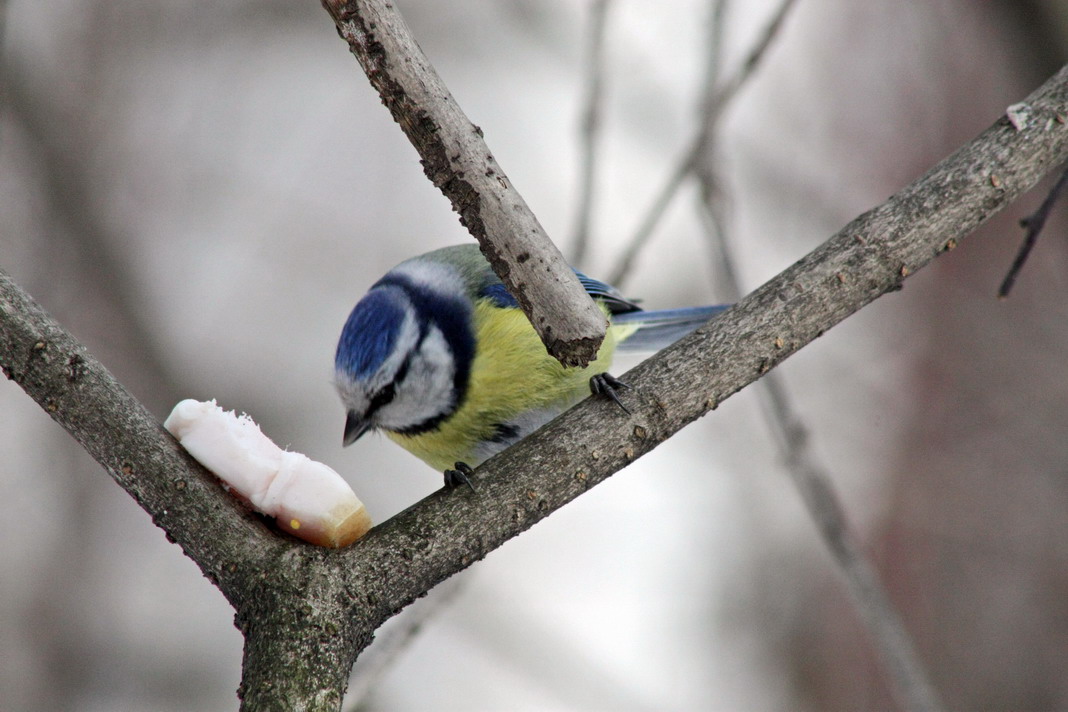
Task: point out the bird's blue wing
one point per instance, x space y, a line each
497 293
661 328
654 329
607 295
601 292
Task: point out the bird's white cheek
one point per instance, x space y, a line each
427 390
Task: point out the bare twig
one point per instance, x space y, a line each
589 128
714 103
459 163
1034 224
889 635
726 92
389 645
649 222
717 28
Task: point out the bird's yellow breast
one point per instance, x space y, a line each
511 374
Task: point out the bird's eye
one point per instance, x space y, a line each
386 394
382 398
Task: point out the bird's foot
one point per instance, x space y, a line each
609 385
460 476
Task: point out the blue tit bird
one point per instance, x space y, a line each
439 356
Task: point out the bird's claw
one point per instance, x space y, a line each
460 476
609 385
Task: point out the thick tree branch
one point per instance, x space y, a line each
308 612
459 163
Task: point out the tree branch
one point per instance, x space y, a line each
308 612
1033 224
907 676
589 128
458 162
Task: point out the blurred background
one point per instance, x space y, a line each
200 191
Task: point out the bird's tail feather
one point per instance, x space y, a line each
655 330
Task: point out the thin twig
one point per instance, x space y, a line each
652 218
390 644
717 28
715 219
726 92
891 638
590 128
712 210
714 103
1034 224
909 679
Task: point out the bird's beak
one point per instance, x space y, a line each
355 426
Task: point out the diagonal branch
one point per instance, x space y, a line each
907 676
458 162
721 97
1033 223
307 612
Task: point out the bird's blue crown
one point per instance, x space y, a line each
370 333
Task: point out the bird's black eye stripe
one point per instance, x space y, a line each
388 392
382 398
